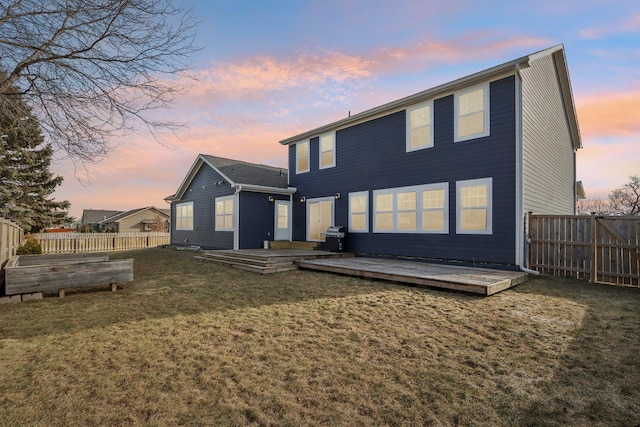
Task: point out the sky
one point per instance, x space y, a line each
269 70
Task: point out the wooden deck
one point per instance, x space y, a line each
482 281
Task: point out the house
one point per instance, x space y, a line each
231 204
91 218
448 173
137 220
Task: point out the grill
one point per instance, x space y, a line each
335 238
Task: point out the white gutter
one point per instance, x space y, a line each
520 222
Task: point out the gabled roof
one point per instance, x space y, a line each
123 215
239 174
94 216
557 52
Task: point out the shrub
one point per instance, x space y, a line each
30 247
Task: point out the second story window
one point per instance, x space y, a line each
420 126
302 157
472 113
327 150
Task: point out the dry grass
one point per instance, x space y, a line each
191 343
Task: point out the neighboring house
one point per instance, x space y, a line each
448 173
230 204
91 218
136 220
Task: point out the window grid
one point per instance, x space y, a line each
359 212
420 126
474 206
224 213
302 157
472 113
184 216
402 210
327 151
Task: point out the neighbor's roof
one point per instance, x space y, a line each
94 216
563 74
122 215
239 174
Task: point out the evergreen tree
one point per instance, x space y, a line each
25 179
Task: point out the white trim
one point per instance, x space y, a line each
409 129
364 194
224 214
316 200
299 144
486 110
520 230
418 189
333 150
178 205
488 182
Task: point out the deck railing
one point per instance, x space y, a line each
61 243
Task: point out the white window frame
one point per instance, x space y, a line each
224 213
331 136
298 145
429 104
430 187
180 218
364 194
486 109
418 189
488 182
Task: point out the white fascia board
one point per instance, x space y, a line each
265 189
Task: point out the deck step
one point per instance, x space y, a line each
250 264
308 246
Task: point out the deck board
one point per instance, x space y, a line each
481 281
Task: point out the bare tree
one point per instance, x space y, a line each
599 207
626 200
92 70
159 224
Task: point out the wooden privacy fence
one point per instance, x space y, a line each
11 237
599 249
64 243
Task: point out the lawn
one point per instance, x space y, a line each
194 343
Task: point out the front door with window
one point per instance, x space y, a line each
282 228
319 218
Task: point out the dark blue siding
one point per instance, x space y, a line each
257 219
372 156
202 192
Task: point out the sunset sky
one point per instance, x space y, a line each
269 70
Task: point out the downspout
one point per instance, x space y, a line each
520 242
236 217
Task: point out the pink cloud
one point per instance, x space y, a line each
630 25
609 114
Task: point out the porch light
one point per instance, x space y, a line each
271 199
303 199
337 196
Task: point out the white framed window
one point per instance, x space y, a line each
420 126
471 108
302 157
359 212
184 216
407 213
224 213
416 209
327 150
435 208
474 206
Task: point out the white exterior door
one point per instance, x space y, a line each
319 218
282 226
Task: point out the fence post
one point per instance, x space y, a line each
594 245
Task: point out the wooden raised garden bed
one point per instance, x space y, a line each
43 273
